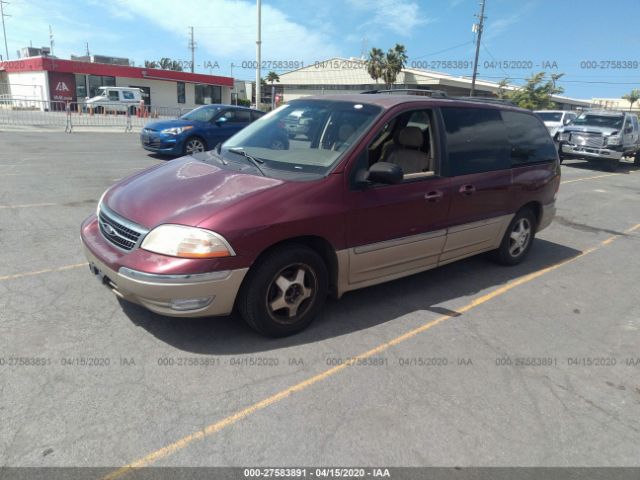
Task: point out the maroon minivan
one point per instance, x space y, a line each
379 187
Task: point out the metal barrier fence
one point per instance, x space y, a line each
28 112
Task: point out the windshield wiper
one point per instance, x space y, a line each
255 161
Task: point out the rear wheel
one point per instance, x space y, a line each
518 238
284 291
194 145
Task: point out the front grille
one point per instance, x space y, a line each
594 140
117 231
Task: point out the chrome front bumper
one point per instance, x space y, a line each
590 152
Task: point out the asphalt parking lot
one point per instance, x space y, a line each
472 364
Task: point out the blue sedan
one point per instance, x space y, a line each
197 131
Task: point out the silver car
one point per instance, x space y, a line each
602 135
554 120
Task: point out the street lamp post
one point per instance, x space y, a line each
258 55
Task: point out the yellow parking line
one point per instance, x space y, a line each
241 414
589 178
40 272
28 205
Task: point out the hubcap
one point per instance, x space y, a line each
291 293
194 146
520 237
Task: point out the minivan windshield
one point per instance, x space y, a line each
593 120
550 116
201 114
316 133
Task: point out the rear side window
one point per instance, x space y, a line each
529 139
128 95
476 141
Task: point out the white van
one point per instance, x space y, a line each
115 99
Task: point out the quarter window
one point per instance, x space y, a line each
476 141
529 139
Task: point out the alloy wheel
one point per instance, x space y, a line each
291 293
193 146
520 237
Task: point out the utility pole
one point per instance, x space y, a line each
51 42
477 27
192 47
258 55
4 29
86 44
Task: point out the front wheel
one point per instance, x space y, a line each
194 145
284 291
518 239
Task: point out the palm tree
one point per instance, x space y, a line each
395 60
632 97
375 63
273 77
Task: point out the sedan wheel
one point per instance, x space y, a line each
194 145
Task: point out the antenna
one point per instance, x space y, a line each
51 42
192 47
86 44
4 29
478 28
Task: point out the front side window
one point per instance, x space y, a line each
113 95
314 144
529 139
476 141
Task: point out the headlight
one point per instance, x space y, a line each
614 140
186 242
100 202
176 130
564 137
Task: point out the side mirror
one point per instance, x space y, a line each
567 121
221 121
382 172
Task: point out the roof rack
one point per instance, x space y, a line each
502 101
410 91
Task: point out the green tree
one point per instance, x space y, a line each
167 64
632 97
536 93
273 77
150 64
503 93
386 66
375 63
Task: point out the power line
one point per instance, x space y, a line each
479 27
192 47
4 29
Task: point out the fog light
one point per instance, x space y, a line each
185 304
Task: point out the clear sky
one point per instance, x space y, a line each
595 43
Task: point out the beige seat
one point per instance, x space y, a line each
405 152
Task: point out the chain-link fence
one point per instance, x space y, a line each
68 115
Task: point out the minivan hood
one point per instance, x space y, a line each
162 124
185 191
590 129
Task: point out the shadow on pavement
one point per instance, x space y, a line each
626 166
358 310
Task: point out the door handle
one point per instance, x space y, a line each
467 189
434 196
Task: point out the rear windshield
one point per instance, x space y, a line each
592 120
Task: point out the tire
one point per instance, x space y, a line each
99 110
611 165
194 145
278 300
132 111
518 238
